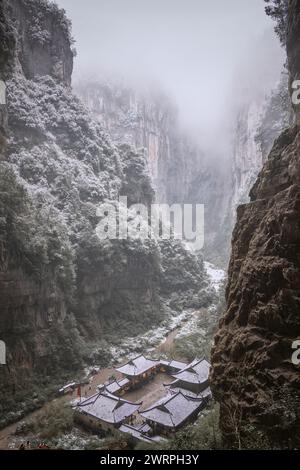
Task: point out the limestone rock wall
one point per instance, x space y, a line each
253 377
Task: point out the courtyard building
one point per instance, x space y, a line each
104 411
176 386
172 367
139 370
117 387
194 377
136 433
172 413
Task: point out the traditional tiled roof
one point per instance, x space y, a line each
206 393
137 366
112 387
145 428
175 387
197 372
123 382
135 432
115 386
174 410
174 364
106 407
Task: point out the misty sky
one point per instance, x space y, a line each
204 53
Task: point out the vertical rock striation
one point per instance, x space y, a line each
179 169
149 120
253 376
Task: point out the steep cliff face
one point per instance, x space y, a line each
147 120
253 376
43 40
293 46
7 44
258 124
36 256
62 288
247 155
180 171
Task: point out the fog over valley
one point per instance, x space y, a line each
204 55
149 227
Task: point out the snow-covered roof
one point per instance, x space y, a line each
145 428
137 366
113 387
164 362
65 387
174 364
178 364
135 432
108 408
175 387
197 372
172 411
123 382
206 393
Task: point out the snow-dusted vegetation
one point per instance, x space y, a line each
86 295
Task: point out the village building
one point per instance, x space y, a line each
194 378
174 388
136 433
117 387
69 388
187 395
172 413
139 370
172 367
143 433
104 412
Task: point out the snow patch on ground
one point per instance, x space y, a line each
189 327
147 342
186 322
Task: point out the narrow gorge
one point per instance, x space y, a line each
62 290
253 375
76 309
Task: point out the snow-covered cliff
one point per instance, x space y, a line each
146 119
62 290
258 124
180 170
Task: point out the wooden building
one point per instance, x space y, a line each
136 432
194 377
172 367
176 386
139 370
172 413
104 411
117 387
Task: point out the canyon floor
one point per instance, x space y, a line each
185 324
